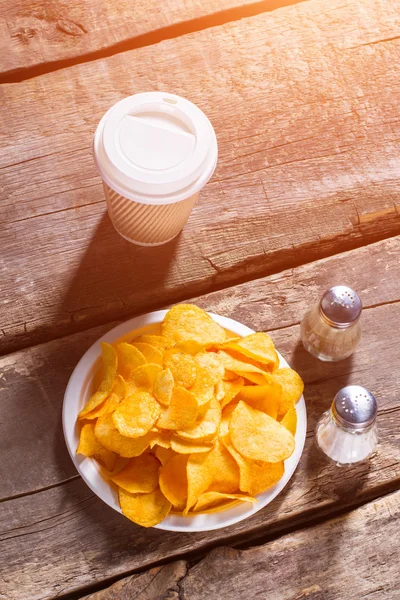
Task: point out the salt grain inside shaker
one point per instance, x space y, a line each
331 330
347 432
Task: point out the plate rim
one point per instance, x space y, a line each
169 523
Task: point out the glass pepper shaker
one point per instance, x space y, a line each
347 432
331 330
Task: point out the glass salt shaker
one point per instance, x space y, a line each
347 432
331 330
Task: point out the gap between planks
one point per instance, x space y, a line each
153 37
288 260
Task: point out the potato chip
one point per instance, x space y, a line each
189 322
190 347
88 442
229 390
181 412
240 367
163 454
90 446
110 364
226 419
109 436
159 341
163 386
173 481
207 425
290 420
212 363
136 414
266 398
182 367
140 475
203 388
146 510
257 436
255 476
120 463
213 471
161 438
185 447
258 347
112 401
151 353
210 500
129 358
144 376
292 389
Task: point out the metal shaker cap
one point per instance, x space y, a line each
354 407
340 306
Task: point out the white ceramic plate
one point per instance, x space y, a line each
78 392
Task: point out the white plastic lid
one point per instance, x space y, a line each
155 148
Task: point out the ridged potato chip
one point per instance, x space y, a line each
144 376
181 412
255 476
189 322
144 509
163 387
292 389
129 358
110 365
140 475
136 414
257 436
266 398
207 425
185 447
290 420
151 353
109 436
173 481
258 347
182 367
211 471
210 500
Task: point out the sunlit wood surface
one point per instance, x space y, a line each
305 103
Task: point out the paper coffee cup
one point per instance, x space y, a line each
154 152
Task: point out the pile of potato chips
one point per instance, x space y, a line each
190 419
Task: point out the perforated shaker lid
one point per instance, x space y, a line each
155 148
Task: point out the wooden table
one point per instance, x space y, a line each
305 103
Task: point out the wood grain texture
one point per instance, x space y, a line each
35 34
352 557
304 101
62 513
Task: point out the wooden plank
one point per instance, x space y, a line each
273 304
305 105
353 556
35 36
65 515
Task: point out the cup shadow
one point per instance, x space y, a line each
114 276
